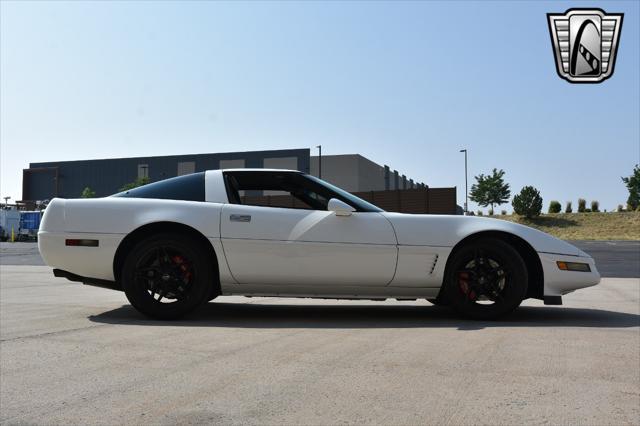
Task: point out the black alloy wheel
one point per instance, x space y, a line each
167 276
486 279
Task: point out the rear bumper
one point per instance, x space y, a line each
93 262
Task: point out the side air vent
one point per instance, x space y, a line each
433 266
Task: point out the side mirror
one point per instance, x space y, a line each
340 208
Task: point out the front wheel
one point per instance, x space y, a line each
167 275
486 279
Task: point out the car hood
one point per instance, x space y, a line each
447 231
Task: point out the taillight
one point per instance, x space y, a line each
80 243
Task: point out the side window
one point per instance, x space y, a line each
186 188
273 189
275 199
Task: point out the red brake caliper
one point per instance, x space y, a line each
186 272
463 284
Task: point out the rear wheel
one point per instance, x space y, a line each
167 275
486 279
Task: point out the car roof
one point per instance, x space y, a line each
259 170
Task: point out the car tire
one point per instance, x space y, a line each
168 275
486 279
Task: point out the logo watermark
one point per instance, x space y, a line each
585 43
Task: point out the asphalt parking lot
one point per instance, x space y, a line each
616 259
72 354
20 253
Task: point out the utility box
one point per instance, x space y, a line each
29 224
9 219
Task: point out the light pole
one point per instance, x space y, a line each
319 161
466 191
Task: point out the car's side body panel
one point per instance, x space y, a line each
289 263
93 262
114 215
420 266
329 291
215 189
430 233
270 246
109 220
447 231
274 223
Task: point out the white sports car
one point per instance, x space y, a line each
176 244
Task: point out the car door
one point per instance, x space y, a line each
289 246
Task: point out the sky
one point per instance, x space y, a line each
407 84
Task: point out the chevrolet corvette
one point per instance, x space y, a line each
176 244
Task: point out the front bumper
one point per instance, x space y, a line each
558 282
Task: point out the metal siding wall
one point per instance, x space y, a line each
340 170
40 183
371 176
107 176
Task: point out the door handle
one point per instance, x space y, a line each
240 218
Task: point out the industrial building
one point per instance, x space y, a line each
352 172
67 179
355 173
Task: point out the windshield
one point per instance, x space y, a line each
359 203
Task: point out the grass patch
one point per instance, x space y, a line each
584 226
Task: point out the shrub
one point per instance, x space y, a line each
555 207
568 209
141 181
503 212
480 213
595 206
490 212
620 208
638 209
587 210
528 202
582 205
88 193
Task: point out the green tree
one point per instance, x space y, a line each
528 202
490 190
88 193
633 185
136 183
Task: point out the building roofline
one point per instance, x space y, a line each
239 154
256 169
